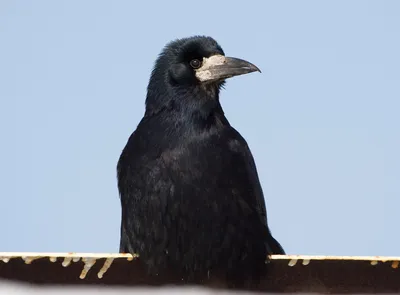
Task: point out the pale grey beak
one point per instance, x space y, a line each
219 67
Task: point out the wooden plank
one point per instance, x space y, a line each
288 273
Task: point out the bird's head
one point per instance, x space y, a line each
193 67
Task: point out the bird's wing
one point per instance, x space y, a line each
274 247
256 197
157 188
144 189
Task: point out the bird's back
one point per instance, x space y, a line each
192 201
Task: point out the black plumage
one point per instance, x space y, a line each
192 203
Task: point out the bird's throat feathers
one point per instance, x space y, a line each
197 107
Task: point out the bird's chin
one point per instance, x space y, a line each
221 83
213 86
218 83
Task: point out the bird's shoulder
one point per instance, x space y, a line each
151 141
168 159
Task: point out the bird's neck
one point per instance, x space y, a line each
188 112
207 116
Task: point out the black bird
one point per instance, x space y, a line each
191 199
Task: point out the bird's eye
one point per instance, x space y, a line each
195 63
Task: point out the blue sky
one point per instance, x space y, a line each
322 119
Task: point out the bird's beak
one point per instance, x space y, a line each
219 67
